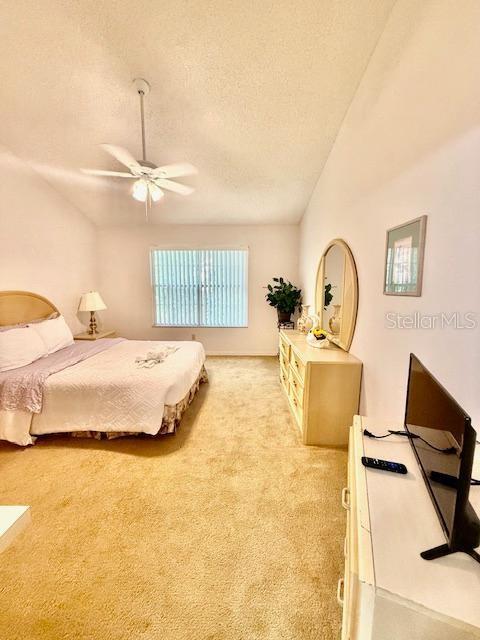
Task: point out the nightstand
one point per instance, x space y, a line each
110 333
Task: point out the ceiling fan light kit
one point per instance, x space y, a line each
150 180
156 193
142 190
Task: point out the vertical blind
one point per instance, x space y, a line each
200 288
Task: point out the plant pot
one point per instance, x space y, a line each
283 316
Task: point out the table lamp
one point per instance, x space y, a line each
92 302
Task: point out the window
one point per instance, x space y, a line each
200 288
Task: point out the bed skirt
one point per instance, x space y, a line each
172 414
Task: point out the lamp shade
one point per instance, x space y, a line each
91 301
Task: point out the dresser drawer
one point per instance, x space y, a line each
284 349
296 408
284 379
283 360
297 366
296 388
295 380
284 346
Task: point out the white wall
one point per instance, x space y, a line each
46 245
125 280
410 145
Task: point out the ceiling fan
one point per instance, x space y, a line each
150 180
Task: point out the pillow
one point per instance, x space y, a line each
19 325
8 327
19 347
55 333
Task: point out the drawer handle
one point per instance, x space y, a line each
294 401
294 384
346 498
340 594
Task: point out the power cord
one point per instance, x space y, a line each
414 436
406 434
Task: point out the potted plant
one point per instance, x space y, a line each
285 297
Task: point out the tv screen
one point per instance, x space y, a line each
435 416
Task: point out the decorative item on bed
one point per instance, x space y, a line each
51 384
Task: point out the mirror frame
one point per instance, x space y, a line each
320 291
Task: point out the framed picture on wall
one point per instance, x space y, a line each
404 258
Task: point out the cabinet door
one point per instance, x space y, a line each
350 579
361 588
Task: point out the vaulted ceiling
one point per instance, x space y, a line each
252 92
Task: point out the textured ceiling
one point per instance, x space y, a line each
251 92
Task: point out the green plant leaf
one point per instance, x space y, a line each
284 295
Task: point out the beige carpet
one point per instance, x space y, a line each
229 530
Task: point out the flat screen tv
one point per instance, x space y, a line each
433 416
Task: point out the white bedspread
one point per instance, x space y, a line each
110 392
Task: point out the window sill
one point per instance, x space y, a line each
197 326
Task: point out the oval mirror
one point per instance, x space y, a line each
336 293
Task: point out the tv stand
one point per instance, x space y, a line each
388 590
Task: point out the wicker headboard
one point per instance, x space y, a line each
23 306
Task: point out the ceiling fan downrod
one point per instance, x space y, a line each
143 89
144 153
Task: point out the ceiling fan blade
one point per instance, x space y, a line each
175 170
122 155
113 174
170 185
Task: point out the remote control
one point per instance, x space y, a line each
384 465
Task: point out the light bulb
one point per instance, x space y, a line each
155 192
140 190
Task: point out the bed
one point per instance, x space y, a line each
101 389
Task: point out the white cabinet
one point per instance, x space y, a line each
12 520
388 591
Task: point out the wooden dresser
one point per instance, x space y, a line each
388 592
322 387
